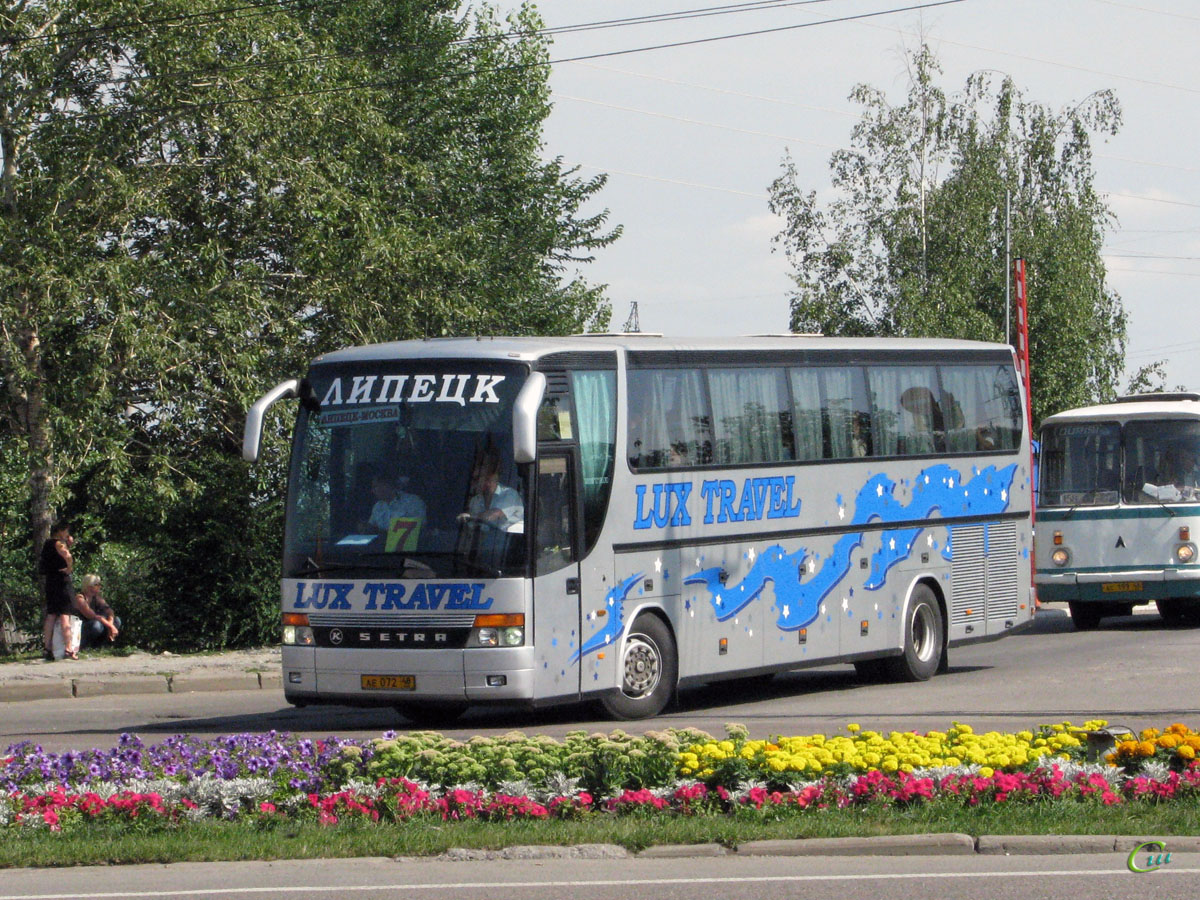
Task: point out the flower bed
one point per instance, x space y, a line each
426 776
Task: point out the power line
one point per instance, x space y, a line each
757 6
368 85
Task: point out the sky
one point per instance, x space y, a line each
692 136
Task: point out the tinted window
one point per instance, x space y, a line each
906 413
751 420
669 425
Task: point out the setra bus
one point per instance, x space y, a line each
1119 497
612 517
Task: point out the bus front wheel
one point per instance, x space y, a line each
1179 611
649 670
1086 616
432 714
924 639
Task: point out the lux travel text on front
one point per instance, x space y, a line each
382 595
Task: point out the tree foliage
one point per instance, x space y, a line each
914 241
196 198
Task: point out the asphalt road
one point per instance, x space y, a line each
1133 671
1067 877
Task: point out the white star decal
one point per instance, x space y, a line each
841 512
892 544
751 554
929 539
1004 496
879 490
658 564
787 610
845 603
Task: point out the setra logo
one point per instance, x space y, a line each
1155 855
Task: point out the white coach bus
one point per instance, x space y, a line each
612 517
1119 497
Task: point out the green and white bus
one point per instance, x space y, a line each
1117 503
613 517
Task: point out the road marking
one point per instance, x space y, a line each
620 882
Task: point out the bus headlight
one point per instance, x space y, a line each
1061 556
296 631
1185 553
500 630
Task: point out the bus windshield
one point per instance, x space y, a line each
405 470
1161 461
1081 464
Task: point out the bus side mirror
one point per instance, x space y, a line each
252 436
525 410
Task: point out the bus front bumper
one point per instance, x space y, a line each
1126 586
358 677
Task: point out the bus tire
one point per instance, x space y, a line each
1179 611
924 639
433 714
649 668
1086 616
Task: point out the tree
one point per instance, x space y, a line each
196 198
914 243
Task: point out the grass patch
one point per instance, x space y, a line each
142 842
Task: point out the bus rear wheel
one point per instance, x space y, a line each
649 670
924 639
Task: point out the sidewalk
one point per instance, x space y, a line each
94 675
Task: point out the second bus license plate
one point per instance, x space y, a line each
389 682
1121 587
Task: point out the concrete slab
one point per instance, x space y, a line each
246 681
1046 844
35 690
137 684
682 851
941 844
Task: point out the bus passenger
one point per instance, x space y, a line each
491 502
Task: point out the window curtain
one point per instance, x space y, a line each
747 408
596 409
806 412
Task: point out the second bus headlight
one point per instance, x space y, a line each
1185 553
500 630
1061 556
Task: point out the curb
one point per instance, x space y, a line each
83 688
883 845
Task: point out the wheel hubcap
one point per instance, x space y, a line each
643 667
924 641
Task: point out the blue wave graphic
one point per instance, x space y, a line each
614 608
939 488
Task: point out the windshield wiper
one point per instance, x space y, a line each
421 569
312 567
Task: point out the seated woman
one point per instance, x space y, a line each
100 624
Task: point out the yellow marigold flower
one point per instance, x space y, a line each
1145 748
987 772
853 727
1186 752
1150 734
